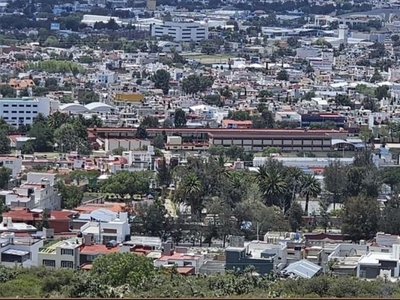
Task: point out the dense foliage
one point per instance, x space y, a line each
142 281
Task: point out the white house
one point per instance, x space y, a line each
106 225
12 163
37 192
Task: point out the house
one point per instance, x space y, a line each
22 251
187 263
90 251
59 221
12 163
105 225
233 124
37 192
263 256
60 254
302 269
371 264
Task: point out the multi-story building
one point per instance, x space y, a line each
60 254
18 111
22 251
263 256
318 119
180 31
180 258
106 226
37 192
12 163
250 139
106 77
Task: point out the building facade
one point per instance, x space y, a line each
180 31
22 111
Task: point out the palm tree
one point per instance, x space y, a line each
310 187
272 184
189 191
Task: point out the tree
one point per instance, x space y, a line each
164 176
66 136
360 217
5 174
343 100
43 135
179 118
309 187
390 221
283 75
296 217
51 83
153 220
191 84
258 122
324 214
5 147
272 184
239 115
161 80
44 221
78 176
382 92
71 195
335 181
118 150
28 148
158 141
125 183
150 122
118 268
7 91
376 77
188 192
141 132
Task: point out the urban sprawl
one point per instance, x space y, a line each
185 148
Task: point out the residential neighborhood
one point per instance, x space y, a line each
168 148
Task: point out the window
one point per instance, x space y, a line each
13 118
90 258
49 263
5 105
14 105
67 252
28 105
35 111
6 111
14 112
21 105
67 264
34 105
21 111
28 112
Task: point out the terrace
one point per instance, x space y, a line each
51 246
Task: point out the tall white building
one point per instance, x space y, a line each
343 32
180 31
18 111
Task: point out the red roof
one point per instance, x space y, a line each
20 214
98 249
59 215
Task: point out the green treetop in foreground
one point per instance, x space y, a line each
129 275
